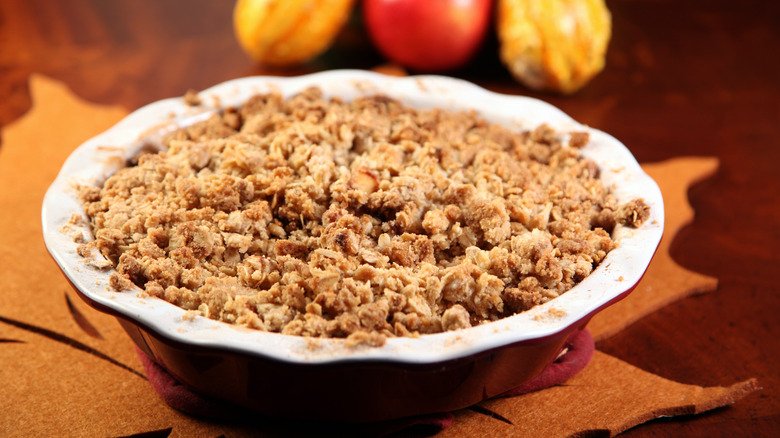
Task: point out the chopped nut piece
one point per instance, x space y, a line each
370 339
454 318
634 213
579 139
191 98
365 180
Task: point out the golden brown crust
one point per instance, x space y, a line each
359 220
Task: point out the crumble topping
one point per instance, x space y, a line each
361 220
191 98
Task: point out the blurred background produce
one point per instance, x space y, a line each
553 45
430 35
549 45
288 32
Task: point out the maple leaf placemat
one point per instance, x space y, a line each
66 369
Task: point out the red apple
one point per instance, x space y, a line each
427 35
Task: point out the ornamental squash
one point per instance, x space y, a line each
288 32
556 45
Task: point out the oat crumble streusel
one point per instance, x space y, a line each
361 219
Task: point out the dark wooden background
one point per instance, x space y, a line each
683 77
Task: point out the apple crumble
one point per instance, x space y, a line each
364 219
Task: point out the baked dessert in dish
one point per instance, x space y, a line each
360 219
353 377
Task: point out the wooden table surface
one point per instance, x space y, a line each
683 77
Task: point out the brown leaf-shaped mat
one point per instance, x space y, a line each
68 370
608 396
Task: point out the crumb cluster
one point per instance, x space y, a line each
363 219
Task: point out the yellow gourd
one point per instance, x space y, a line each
556 45
288 32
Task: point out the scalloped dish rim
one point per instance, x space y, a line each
103 154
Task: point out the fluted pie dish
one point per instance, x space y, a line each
300 372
